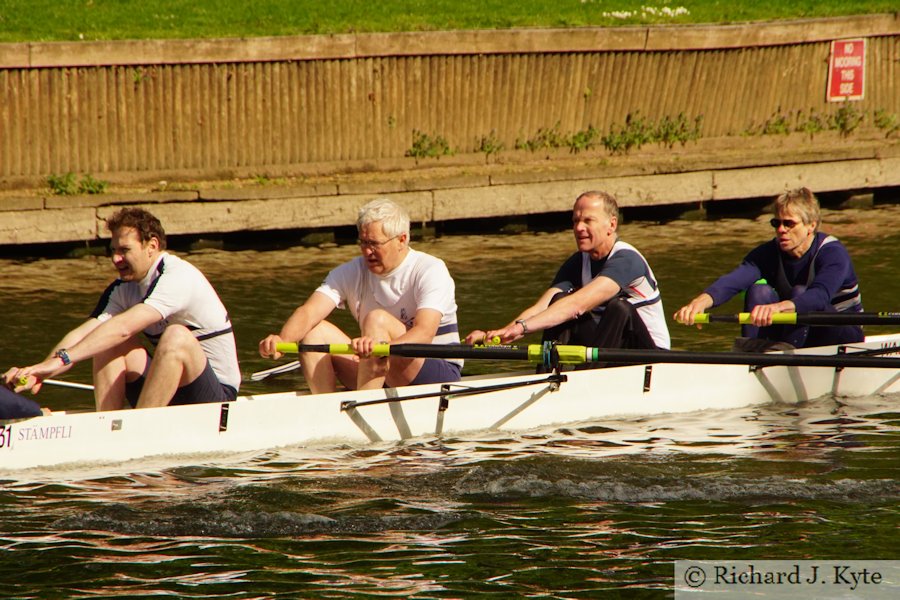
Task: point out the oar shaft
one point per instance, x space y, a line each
69 384
277 370
819 318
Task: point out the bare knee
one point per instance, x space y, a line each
129 357
375 318
325 333
379 367
175 340
382 324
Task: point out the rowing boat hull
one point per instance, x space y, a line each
283 419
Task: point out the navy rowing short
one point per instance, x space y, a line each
206 388
436 370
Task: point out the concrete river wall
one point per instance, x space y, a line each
220 136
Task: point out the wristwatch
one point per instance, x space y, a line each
63 355
523 324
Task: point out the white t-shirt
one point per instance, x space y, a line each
420 281
183 296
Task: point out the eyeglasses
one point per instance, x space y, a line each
788 223
373 245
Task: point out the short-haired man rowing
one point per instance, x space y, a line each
604 295
172 303
395 293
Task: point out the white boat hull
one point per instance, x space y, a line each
285 419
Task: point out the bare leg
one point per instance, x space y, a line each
373 372
322 370
112 369
178 360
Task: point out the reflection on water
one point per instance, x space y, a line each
593 506
567 511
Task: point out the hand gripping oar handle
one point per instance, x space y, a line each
536 353
817 318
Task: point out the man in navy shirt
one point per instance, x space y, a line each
605 294
800 270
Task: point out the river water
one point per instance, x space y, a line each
581 511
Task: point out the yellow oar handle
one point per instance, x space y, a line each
744 318
574 355
293 348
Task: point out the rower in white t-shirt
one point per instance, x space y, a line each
167 299
395 293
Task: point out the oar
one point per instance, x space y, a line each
564 354
278 370
66 384
813 318
70 384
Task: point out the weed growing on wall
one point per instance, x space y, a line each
811 124
583 140
431 146
543 139
680 130
637 130
620 139
489 144
62 185
845 120
90 185
67 185
887 122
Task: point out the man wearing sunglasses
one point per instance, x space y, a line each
800 270
395 293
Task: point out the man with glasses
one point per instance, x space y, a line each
395 293
800 270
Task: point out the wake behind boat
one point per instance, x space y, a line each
668 382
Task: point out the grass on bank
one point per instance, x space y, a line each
67 20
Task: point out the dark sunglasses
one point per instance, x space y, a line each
788 223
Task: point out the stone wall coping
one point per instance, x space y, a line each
466 42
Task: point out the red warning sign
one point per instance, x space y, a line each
847 70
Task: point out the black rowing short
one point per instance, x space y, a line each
206 388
